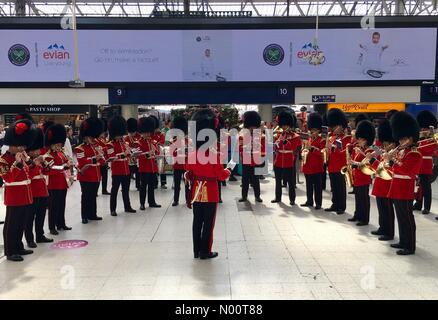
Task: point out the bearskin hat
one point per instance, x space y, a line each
20 133
91 127
404 125
366 130
286 119
22 116
117 127
104 125
46 125
390 113
55 134
251 119
360 117
146 125
314 121
38 141
156 121
132 125
336 117
384 132
426 119
205 119
180 123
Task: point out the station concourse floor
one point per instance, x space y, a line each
266 251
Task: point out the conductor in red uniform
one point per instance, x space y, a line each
118 154
180 159
203 176
90 158
427 147
132 140
54 138
159 141
18 197
101 142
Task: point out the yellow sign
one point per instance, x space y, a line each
367 107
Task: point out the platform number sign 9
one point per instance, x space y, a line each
120 92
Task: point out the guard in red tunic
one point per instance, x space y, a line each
54 139
406 166
101 142
40 193
313 164
285 146
336 148
119 155
90 158
159 141
147 164
252 153
18 197
365 135
381 186
427 147
203 173
180 145
132 140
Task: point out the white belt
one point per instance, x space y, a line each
38 177
120 160
427 157
399 176
285 151
18 183
57 168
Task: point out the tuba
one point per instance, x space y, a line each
347 170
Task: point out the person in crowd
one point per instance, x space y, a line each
118 153
180 158
159 140
54 139
14 170
100 145
90 159
203 176
132 140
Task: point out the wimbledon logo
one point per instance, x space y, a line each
19 55
273 54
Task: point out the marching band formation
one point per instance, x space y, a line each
394 160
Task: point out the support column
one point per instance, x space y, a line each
129 111
265 111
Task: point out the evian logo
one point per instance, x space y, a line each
56 52
311 54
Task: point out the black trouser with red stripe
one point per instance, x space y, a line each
14 228
386 216
118 181
134 171
362 205
406 224
177 177
104 173
89 199
280 174
204 217
57 208
426 189
249 176
314 188
37 214
339 191
147 185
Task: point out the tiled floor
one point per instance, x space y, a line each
272 252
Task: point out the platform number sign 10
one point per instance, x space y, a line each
283 91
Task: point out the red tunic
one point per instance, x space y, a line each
18 191
101 145
134 145
427 148
381 186
359 178
285 147
120 165
39 184
337 157
404 172
147 162
179 155
252 150
86 155
203 180
315 162
56 173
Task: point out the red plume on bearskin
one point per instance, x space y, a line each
19 134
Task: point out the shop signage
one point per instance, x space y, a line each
367 107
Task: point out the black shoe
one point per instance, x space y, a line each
65 228
275 201
331 209
232 178
416 207
220 201
340 212
351 192
425 211
114 214
385 238
15 258
2 222
163 187
196 255
154 205
353 219
130 210
292 203
242 200
306 205
175 203
96 218
436 218
396 246
262 177
106 193
258 199
211 255
377 232
54 232
360 224
284 185
405 252
32 245
318 208
25 252
142 207
44 240
84 221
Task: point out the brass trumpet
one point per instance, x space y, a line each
347 170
